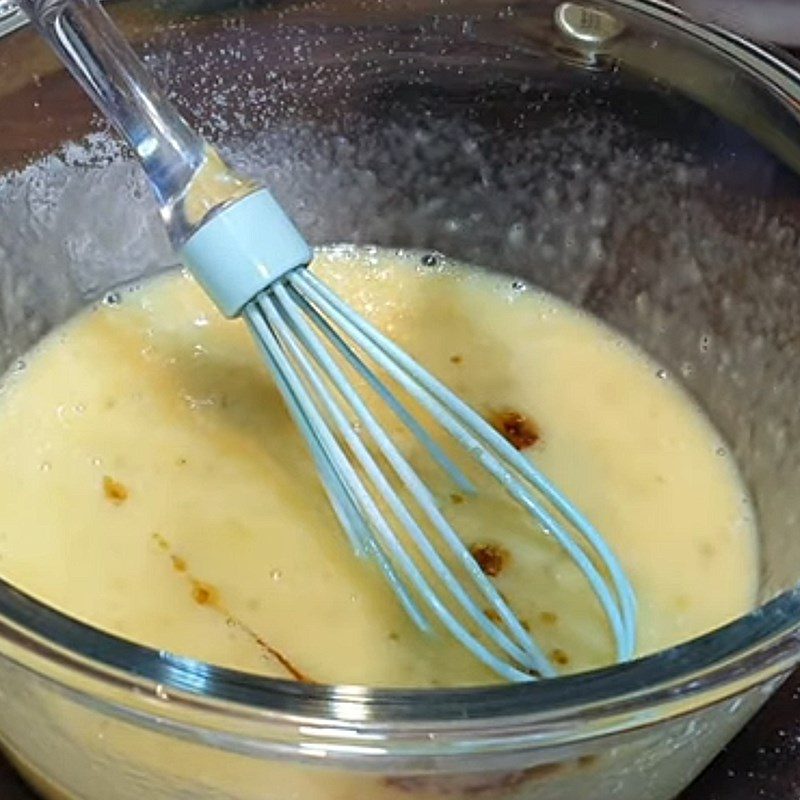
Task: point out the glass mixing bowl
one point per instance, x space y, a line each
614 153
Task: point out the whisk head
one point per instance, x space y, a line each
314 342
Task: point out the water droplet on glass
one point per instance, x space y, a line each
112 299
276 574
661 374
45 466
518 286
161 692
721 451
19 365
516 234
429 260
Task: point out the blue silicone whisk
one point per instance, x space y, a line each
252 261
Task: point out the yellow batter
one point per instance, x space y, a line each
153 485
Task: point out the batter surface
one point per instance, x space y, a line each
153 485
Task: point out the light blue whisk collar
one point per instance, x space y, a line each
243 249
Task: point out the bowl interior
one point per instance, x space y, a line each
642 175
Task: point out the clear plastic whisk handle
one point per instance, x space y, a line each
228 230
97 54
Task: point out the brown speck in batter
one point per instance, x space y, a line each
204 594
548 617
490 557
456 359
490 786
516 428
178 563
707 550
115 492
559 656
161 541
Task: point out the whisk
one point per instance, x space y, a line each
251 260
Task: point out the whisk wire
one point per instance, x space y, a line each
402 468
379 387
617 600
281 343
330 461
294 331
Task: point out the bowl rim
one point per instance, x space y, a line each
150 687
